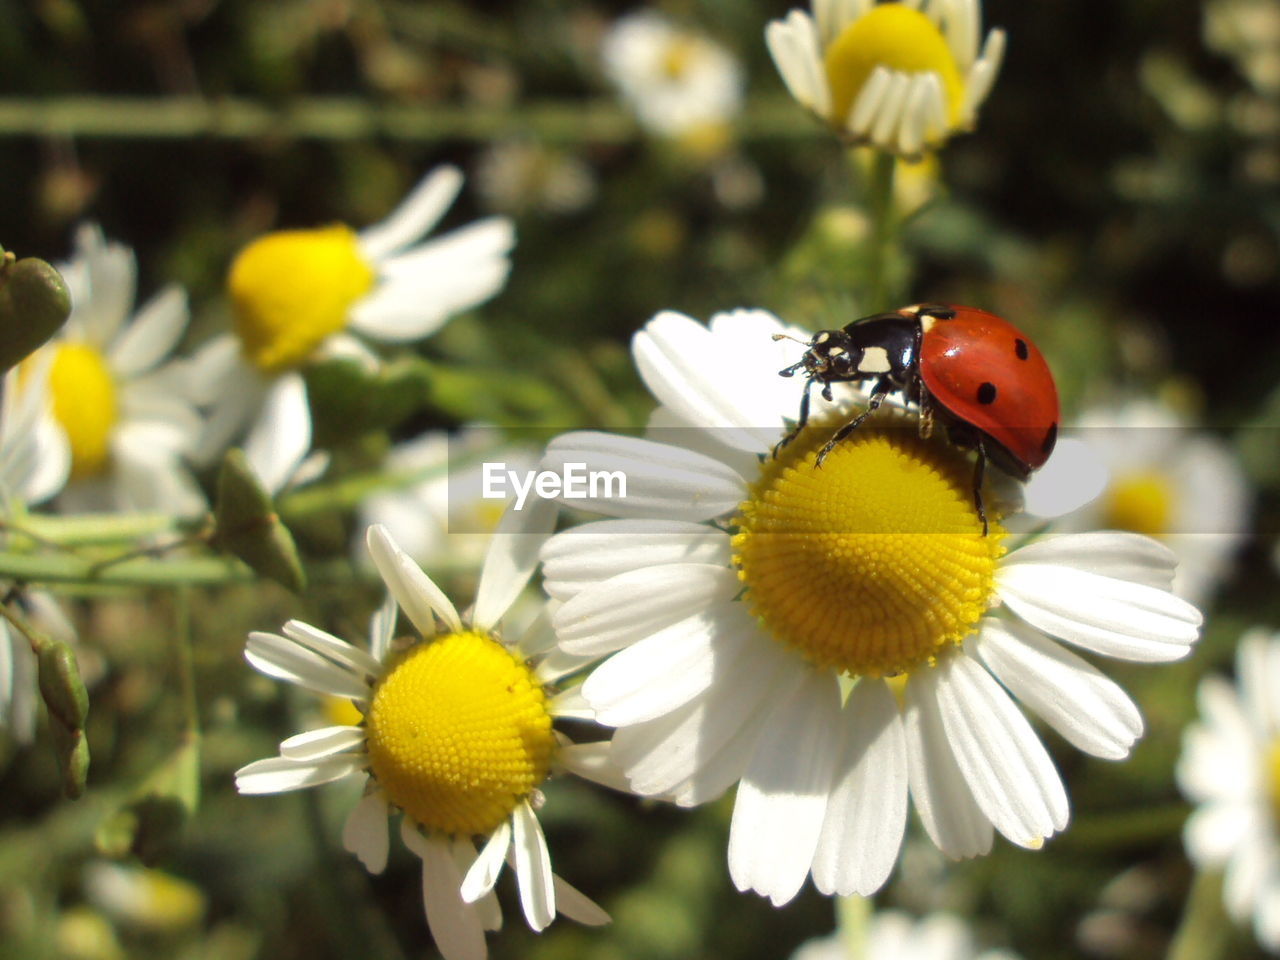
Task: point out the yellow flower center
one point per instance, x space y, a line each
1141 502
294 288
896 37
1273 776
875 562
678 55
458 733
85 404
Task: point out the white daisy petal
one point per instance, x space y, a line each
782 799
724 768
455 925
152 335
282 436
867 811
327 645
487 907
594 762
1006 766
1087 708
533 868
283 659
633 605
382 628
1108 553
484 872
595 552
576 905
943 799
417 213
1115 618
325 742
661 480
511 559
366 832
669 668
1215 830
417 594
280 775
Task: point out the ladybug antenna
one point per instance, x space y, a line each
787 336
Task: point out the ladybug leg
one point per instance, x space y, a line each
800 422
979 471
877 397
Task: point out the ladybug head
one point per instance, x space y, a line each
831 355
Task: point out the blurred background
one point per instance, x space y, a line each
1120 201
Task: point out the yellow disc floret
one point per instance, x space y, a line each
894 36
292 289
873 563
1141 502
85 404
458 733
1272 774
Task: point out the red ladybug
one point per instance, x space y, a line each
975 371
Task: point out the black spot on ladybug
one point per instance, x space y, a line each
1050 438
987 393
1020 348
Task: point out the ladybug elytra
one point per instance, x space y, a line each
979 374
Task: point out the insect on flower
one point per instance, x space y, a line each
977 372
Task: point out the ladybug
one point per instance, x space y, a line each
971 369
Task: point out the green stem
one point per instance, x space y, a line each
143 571
91 529
1205 931
351 118
884 226
853 921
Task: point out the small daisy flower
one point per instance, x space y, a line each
833 640
902 77
1230 767
125 419
297 293
1165 480
679 83
892 935
445 519
456 736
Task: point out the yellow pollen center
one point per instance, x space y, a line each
873 563
458 733
85 404
1273 776
1141 502
678 56
294 288
896 37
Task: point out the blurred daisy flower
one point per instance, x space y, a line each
296 294
902 77
122 411
1162 479
833 640
521 175
892 935
681 84
444 519
456 735
1230 766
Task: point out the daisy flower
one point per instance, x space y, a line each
892 935
1165 480
456 736
679 83
297 293
119 406
902 77
833 640
444 519
1230 767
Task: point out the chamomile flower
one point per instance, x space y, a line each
1168 481
121 408
297 293
893 935
833 640
445 518
1230 767
456 736
902 77
680 83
